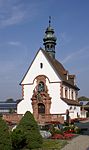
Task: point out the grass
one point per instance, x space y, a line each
51 144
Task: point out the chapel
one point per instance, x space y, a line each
48 89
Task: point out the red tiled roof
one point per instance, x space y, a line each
71 102
60 70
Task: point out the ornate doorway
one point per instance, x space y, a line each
41 101
41 108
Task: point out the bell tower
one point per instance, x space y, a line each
50 40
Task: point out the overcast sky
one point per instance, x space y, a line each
22 28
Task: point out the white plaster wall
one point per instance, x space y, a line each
83 114
77 110
57 105
35 70
63 91
75 95
68 93
73 112
25 104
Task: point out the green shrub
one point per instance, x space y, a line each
77 130
27 132
58 131
72 126
52 129
87 114
5 140
18 139
66 128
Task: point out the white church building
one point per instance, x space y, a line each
48 90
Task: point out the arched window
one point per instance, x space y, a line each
41 87
72 94
66 93
76 95
47 46
41 65
51 46
41 108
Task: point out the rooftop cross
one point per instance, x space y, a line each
49 21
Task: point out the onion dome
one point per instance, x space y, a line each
50 40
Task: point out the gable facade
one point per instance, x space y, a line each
58 92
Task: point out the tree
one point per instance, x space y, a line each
9 100
18 139
83 98
5 140
11 110
27 133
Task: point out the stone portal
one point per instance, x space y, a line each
41 101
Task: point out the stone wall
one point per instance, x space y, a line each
42 119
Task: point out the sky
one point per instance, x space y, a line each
22 28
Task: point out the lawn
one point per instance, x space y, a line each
50 144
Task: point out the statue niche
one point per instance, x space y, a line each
41 87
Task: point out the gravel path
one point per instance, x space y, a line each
80 142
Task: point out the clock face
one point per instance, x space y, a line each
41 87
